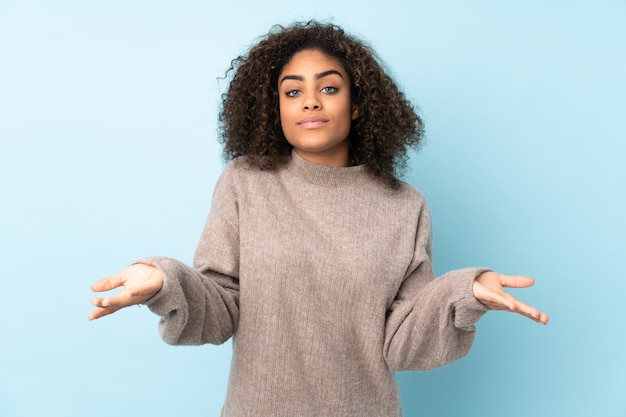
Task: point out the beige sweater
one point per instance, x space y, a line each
323 277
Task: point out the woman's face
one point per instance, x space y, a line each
316 109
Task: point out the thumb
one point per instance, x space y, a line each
516 281
107 284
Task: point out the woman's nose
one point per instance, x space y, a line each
312 102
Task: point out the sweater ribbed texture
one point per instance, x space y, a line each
323 277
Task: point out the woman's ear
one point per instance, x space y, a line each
355 112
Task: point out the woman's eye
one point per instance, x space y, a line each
293 93
329 90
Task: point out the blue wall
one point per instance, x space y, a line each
108 153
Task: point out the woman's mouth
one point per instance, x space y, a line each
312 122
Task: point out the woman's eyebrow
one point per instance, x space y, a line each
317 76
325 73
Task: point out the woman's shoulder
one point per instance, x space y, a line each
406 191
257 163
241 174
236 167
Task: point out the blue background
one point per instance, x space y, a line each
108 153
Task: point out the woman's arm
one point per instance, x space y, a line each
432 321
198 304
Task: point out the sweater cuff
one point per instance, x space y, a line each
468 310
165 300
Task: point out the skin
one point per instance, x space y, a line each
316 110
316 113
140 282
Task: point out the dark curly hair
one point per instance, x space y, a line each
249 119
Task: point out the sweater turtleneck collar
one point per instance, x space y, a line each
325 175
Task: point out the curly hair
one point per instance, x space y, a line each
249 119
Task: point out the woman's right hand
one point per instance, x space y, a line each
140 281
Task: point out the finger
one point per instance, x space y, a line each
107 284
516 281
108 302
544 318
101 312
530 312
108 305
121 300
540 317
499 302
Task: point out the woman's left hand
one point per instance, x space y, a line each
489 289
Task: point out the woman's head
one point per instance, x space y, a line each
250 119
316 109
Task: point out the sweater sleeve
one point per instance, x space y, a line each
431 321
200 304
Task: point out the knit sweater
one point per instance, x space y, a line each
323 277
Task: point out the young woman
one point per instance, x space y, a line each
315 257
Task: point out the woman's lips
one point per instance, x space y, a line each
312 122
